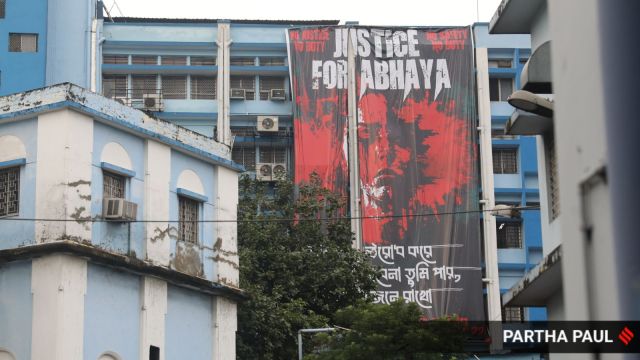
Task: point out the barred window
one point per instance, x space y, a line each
174 60
243 61
245 155
505 161
115 59
23 42
144 85
203 60
245 82
203 87
500 88
272 154
509 235
188 224
114 85
9 191
144 60
174 87
2 8
268 83
513 314
271 61
112 186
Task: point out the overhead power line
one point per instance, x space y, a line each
268 219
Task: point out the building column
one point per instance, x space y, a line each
153 312
58 285
156 203
225 325
224 123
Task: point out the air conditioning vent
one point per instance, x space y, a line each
277 94
271 171
267 123
151 102
119 209
237 94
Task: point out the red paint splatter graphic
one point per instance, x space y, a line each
413 159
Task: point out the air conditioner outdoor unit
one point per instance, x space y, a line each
264 171
271 171
277 94
151 102
267 123
237 94
119 209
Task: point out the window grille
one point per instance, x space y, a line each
244 131
271 61
174 60
144 85
9 191
267 83
246 156
3 5
505 161
509 235
552 176
112 186
203 60
271 154
23 42
513 314
144 60
245 82
500 88
114 85
188 227
174 87
203 87
243 61
115 59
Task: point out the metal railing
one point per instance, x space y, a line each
149 99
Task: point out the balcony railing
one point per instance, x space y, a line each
138 98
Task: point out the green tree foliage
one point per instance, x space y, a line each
297 273
388 332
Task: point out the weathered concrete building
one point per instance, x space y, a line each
113 241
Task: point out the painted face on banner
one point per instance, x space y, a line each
413 158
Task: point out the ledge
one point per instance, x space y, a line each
539 284
122 262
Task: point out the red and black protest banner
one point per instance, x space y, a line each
417 153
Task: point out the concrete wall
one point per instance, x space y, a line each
15 309
189 325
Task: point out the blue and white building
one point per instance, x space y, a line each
104 251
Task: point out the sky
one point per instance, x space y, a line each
371 12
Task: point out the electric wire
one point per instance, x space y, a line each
269 219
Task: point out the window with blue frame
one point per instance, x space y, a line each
505 161
3 5
10 191
509 234
189 214
500 88
23 42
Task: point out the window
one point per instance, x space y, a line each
500 88
154 353
174 87
553 184
144 85
271 61
9 191
174 60
113 186
268 83
114 85
3 4
243 61
509 234
188 214
245 82
144 60
500 63
115 59
23 42
513 314
246 156
271 154
505 161
203 87
203 60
